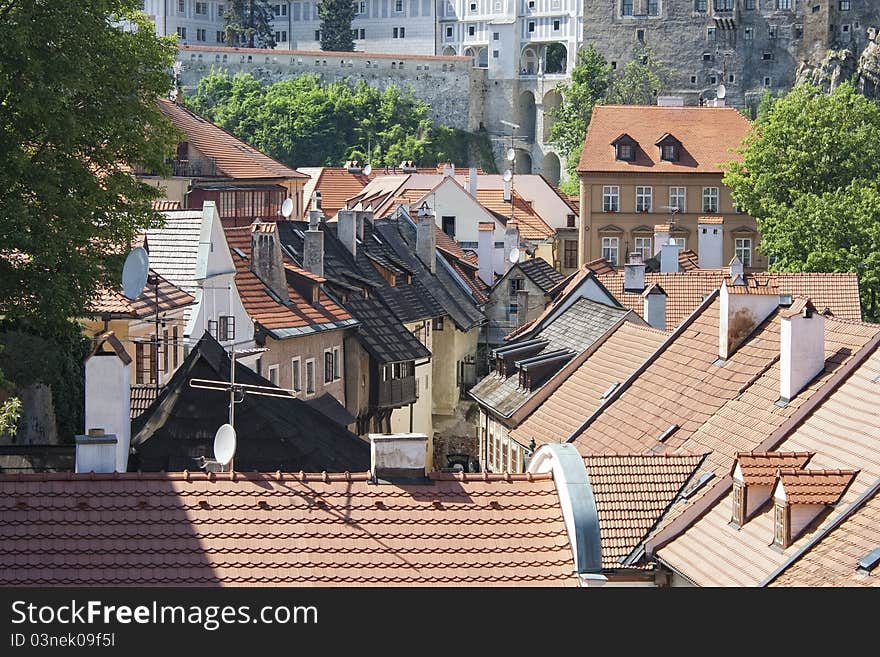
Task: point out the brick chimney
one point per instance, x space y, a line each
654 306
801 347
346 230
511 242
266 260
661 237
486 252
426 237
710 242
399 455
634 274
108 402
313 245
743 307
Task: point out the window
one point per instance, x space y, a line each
438 323
678 198
653 8
201 34
398 5
219 36
772 31
146 363
448 224
531 26
556 25
337 363
843 5
174 346
640 36
512 312
473 6
328 366
731 77
496 36
181 6
844 28
710 33
610 198
644 196
226 328
707 57
713 79
680 241
693 79
569 221
165 351
317 35
295 376
471 30
748 34
494 54
516 284
667 152
710 199
362 7
448 31
626 7
281 10
610 249
780 525
723 5
181 32
399 32
766 56
768 81
743 250
202 8
700 5
750 4
310 376
273 374
737 516
626 151
570 254
213 328
531 4
783 4
644 246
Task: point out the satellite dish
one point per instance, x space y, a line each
511 155
507 176
224 444
134 272
368 170
722 91
514 255
287 208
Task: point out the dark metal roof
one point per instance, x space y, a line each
382 335
274 433
541 273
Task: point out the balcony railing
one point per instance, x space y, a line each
186 168
396 392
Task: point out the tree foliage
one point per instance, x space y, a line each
77 109
593 82
305 122
336 17
810 175
249 23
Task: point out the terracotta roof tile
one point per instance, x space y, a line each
759 468
336 185
234 158
708 136
531 226
166 205
815 486
113 302
688 260
322 53
710 221
601 266
280 529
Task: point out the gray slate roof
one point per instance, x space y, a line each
541 273
174 250
575 330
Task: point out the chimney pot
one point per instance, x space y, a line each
486 252
398 455
346 230
426 238
266 260
634 274
96 452
801 348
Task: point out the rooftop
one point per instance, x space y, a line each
116 304
540 272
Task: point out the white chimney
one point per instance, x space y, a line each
108 396
486 252
742 308
96 452
710 242
670 101
736 268
634 274
266 260
426 238
398 455
669 258
661 237
472 181
449 170
654 306
801 347
508 190
313 245
346 230
511 242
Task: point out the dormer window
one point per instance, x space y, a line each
669 147
781 525
625 148
738 517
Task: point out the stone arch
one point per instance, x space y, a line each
555 58
523 162
552 101
552 168
449 51
483 57
473 53
526 115
528 61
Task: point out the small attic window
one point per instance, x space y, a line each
625 148
669 147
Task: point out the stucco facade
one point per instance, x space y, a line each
454 366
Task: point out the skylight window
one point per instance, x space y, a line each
869 561
702 481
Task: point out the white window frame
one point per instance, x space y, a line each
742 248
362 7
398 6
610 198
710 194
276 370
644 244
681 241
678 198
611 249
644 198
310 369
296 374
328 371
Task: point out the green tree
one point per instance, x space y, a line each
638 83
9 409
77 111
249 23
336 17
810 175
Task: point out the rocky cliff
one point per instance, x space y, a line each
839 65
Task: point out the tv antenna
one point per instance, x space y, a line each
287 208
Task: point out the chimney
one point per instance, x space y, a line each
801 347
108 396
661 237
408 166
359 223
486 252
634 274
736 268
742 308
96 452
654 308
266 260
426 238
522 301
508 190
399 455
710 242
472 181
449 170
669 258
313 245
354 166
511 242
346 230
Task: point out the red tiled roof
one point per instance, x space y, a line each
708 137
336 185
327 53
580 394
601 266
685 290
815 486
149 529
166 205
234 158
531 226
688 260
632 493
114 302
265 310
759 468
